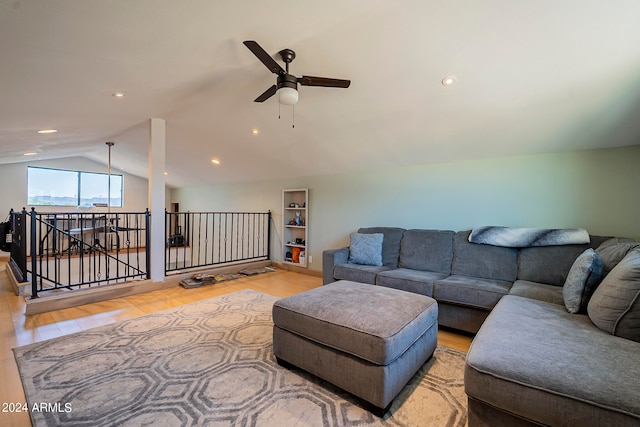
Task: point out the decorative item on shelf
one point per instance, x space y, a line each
299 241
294 205
295 257
292 222
303 257
298 219
288 256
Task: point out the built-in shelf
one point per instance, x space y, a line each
295 253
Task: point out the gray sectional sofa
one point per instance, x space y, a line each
532 362
466 279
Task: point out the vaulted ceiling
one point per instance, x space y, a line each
531 77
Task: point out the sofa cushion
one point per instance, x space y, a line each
548 264
390 243
470 291
613 250
358 273
615 305
419 282
537 291
488 262
582 280
538 361
366 249
427 250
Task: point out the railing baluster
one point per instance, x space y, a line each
34 261
214 238
206 237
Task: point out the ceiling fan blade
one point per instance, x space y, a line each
323 81
264 57
266 94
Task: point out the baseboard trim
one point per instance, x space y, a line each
300 270
19 288
78 297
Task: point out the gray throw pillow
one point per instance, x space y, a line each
613 250
366 249
615 305
582 280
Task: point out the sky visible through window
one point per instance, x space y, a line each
55 187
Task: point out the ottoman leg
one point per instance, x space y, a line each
284 363
375 410
378 412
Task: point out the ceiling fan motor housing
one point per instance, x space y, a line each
287 80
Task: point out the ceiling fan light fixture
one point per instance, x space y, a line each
287 96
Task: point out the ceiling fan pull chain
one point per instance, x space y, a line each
293 114
279 106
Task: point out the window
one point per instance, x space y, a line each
57 187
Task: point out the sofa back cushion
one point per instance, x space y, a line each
548 264
427 250
390 243
485 261
551 264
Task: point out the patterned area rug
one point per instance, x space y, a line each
210 363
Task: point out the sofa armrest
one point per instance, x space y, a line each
331 258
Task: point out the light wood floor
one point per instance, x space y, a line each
16 329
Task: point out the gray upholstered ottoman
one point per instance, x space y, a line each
368 340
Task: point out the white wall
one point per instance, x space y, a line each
596 189
13 181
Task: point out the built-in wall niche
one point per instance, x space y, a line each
295 230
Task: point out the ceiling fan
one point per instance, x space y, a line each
287 84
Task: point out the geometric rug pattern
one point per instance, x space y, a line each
210 363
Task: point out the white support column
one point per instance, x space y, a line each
157 197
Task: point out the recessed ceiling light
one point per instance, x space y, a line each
255 131
215 161
118 95
30 153
166 173
48 131
449 80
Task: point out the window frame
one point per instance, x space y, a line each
78 189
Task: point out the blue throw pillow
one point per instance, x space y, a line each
366 249
582 280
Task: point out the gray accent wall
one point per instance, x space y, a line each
595 189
